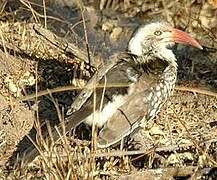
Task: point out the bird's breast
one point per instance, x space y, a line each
159 92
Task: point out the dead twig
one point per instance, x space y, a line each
196 90
110 85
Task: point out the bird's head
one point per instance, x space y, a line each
156 40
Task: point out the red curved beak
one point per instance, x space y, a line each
182 37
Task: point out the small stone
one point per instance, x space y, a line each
155 130
107 26
116 33
195 23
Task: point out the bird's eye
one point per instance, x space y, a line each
157 33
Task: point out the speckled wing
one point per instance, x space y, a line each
129 116
145 98
123 122
117 75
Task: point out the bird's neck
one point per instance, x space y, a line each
158 70
162 71
157 66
